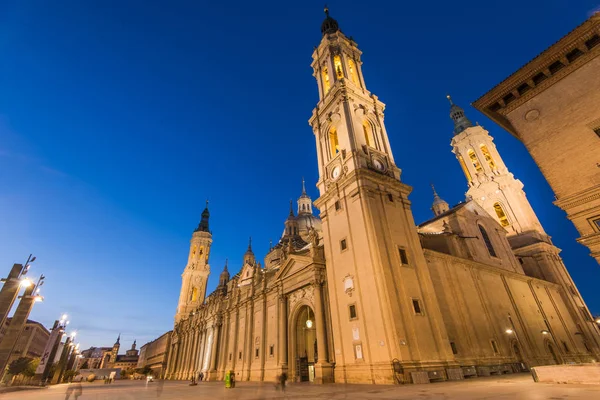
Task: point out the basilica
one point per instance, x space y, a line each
363 294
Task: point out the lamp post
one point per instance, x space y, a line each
11 287
19 319
47 359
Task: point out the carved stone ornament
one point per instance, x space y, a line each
198 280
348 284
307 293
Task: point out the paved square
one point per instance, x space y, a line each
509 387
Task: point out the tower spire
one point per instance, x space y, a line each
439 205
291 209
303 187
250 244
457 114
203 226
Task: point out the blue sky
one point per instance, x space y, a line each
119 118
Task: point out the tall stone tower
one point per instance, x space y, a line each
195 275
383 306
497 191
115 350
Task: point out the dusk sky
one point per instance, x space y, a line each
118 119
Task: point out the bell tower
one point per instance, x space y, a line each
491 184
383 306
498 192
195 274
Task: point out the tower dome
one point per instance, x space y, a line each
457 114
329 25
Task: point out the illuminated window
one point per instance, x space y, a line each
326 83
464 168
475 161
487 241
333 142
194 295
337 64
368 134
194 250
501 214
488 156
353 74
201 250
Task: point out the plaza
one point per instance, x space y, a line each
514 386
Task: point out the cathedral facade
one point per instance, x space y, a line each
362 294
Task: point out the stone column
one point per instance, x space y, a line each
203 350
8 293
222 364
323 370
283 322
213 351
193 348
15 329
171 361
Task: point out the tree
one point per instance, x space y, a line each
19 365
31 367
68 375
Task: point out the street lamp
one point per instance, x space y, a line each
25 283
509 331
544 332
597 320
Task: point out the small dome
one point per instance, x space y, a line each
307 221
330 25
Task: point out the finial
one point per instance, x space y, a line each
291 209
449 99
303 186
434 192
250 244
326 10
206 203
226 261
270 244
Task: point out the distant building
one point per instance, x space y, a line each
154 354
551 105
32 341
92 358
108 357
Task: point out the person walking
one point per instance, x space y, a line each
282 381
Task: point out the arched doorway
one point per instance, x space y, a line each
521 365
553 353
304 350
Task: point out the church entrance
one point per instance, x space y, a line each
305 345
552 351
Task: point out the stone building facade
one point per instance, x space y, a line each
31 342
363 294
154 355
551 105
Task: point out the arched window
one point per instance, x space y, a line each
368 134
461 160
194 250
201 250
194 295
487 241
353 73
475 160
501 214
326 83
333 142
337 64
488 156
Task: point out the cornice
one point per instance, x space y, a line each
579 198
521 86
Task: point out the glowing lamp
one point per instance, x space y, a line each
509 331
26 283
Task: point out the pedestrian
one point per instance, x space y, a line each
201 376
282 380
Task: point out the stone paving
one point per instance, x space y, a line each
509 387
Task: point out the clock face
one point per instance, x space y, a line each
378 164
336 172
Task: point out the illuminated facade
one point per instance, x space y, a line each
362 294
551 105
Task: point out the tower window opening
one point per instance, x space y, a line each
337 63
352 311
417 306
494 346
487 241
337 206
597 131
271 350
453 346
194 295
240 355
461 160
333 141
565 346
475 161
353 73
326 83
501 214
390 197
343 244
488 156
403 256
256 353
368 132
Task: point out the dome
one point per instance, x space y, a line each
330 25
307 221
